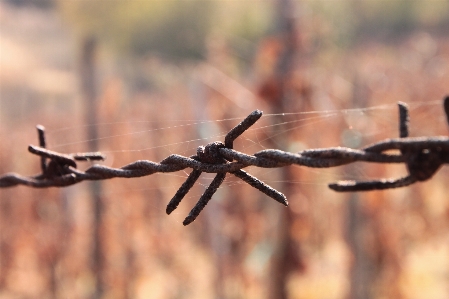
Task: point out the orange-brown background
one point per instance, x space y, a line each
165 74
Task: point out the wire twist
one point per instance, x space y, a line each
423 157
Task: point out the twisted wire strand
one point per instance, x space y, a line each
270 158
423 156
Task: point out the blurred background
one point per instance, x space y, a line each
146 79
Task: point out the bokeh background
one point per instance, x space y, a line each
145 79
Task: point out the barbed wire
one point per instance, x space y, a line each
423 156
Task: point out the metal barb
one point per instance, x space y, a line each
42 143
204 199
352 186
404 120
211 154
242 127
423 157
53 156
183 190
446 108
261 186
95 156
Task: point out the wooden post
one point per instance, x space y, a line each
361 276
89 93
284 258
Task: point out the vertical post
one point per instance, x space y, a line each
89 93
361 275
284 259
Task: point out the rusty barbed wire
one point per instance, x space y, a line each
423 156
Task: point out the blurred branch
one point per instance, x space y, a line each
423 156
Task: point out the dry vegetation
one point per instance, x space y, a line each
389 244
